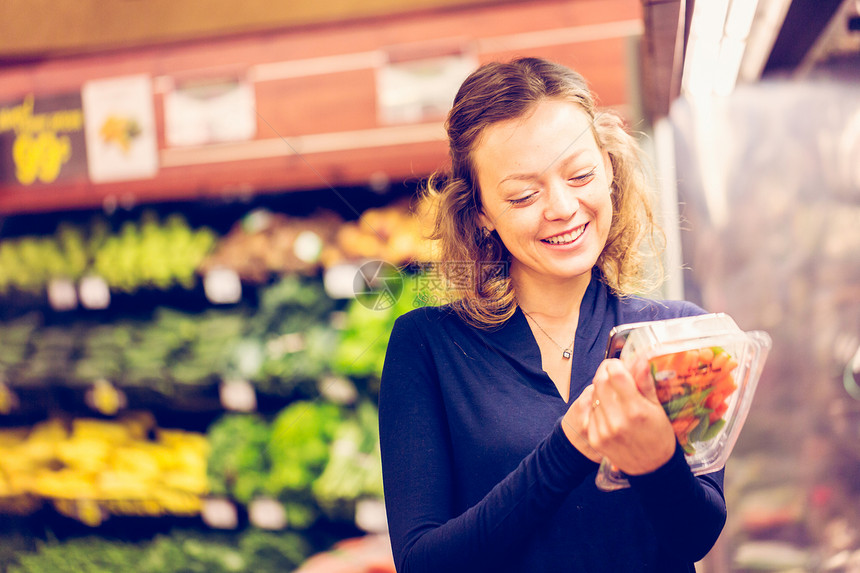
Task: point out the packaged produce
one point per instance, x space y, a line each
705 370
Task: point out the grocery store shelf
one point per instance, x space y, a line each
303 145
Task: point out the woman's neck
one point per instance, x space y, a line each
555 299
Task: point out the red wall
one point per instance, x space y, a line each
326 90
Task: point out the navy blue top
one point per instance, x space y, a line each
479 475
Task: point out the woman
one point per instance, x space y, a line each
495 410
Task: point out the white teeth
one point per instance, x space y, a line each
566 238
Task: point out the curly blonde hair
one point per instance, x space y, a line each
498 92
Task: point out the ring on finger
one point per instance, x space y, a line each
595 404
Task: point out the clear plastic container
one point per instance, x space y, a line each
705 369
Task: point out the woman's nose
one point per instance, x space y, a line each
562 201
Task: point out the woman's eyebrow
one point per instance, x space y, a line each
532 176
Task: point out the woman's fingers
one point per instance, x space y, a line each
626 426
576 421
644 381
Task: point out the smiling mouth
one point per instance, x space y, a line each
566 238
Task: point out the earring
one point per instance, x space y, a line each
485 233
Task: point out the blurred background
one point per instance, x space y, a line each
190 194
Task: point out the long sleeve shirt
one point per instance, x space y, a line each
479 475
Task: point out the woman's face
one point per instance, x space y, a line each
545 188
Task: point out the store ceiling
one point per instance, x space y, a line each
35 29
32 30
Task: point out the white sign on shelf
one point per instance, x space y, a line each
219 513
308 247
222 286
94 292
238 395
421 89
119 124
62 295
339 280
370 515
338 389
211 110
267 513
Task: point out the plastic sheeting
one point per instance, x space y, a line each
769 184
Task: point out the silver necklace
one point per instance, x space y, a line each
565 352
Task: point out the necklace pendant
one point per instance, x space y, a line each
566 354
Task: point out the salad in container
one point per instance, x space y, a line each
705 370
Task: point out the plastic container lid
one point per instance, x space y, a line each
705 369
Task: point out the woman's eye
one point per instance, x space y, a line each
523 200
584 179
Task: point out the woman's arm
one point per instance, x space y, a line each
416 444
630 428
687 512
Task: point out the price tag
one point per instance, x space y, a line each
338 389
94 292
219 513
308 247
339 280
238 395
370 515
222 286
62 295
267 513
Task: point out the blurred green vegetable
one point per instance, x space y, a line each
251 551
354 469
238 462
153 254
363 342
149 253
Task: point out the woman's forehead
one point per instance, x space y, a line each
553 130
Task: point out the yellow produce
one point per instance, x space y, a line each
138 459
104 467
87 455
187 482
178 502
118 484
107 431
64 483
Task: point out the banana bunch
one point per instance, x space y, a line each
12 467
148 253
90 468
28 263
153 254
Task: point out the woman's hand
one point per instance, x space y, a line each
627 424
575 424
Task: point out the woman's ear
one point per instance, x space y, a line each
485 222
